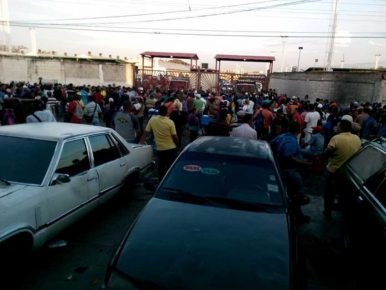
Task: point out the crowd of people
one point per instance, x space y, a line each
300 130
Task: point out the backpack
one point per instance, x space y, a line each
9 117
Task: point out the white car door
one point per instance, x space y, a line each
109 164
68 201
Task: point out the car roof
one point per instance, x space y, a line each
49 130
235 146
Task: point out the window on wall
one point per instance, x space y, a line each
74 158
104 149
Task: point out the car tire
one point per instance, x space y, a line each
14 253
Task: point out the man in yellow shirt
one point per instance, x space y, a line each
165 137
340 148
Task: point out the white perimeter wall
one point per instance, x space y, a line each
65 71
343 87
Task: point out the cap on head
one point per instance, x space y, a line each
348 118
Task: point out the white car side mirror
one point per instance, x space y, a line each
60 178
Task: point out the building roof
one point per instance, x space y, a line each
170 55
249 58
66 57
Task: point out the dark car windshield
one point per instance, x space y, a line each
25 160
215 179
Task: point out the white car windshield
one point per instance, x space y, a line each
25 160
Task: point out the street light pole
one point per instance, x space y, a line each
300 49
377 57
283 39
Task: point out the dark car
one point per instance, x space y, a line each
364 210
218 220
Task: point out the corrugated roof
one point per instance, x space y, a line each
250 58
170 55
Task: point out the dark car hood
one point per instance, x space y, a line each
177 245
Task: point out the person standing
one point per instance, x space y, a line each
310 121
75 110
316 145
93 112
179 117
219 126
40 114
340 148
165 137
126 124
244 130
287 151
199 104
194 125
267 119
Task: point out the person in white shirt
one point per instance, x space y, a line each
311 120
93 109
248 106
40 114
244 130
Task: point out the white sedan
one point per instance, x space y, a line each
52 174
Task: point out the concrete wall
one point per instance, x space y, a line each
340 86
65 71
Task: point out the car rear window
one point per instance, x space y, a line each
25 160
104 149
250 180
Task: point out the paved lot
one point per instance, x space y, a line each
90 245
81 264
328 266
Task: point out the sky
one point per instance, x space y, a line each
277 28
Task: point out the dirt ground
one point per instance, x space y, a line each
327 262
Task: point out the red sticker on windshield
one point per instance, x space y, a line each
192 168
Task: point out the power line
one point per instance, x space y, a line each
209 34
162 13
199 16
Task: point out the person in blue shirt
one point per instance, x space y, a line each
382 126
315 146
288 153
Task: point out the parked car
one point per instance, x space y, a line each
218 220
52 174
364 211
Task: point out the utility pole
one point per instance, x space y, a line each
4 24
377 58
342 62
33 41
283 39
332 36
300 49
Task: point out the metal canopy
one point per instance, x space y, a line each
170 55
155 54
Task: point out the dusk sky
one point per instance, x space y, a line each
129 27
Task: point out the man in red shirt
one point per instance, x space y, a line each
267 120
75 110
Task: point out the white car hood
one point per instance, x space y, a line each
9 189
